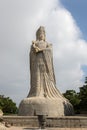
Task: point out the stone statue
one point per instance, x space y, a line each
44 98
41 68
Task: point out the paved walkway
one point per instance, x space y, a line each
21 128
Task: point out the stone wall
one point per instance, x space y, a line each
22 120
62 122
68 122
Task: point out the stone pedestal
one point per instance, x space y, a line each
2 127
42 106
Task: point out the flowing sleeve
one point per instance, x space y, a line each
48 58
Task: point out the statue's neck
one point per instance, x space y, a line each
42 40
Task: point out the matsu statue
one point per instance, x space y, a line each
44 98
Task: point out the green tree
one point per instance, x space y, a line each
73 97
86 80
83 96
7 105
78 100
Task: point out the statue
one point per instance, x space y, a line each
41 68
44 98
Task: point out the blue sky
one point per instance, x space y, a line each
64 25
78 9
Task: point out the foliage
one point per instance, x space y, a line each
73 97
86 80
7 105
78 100
83 96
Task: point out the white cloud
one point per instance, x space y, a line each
19 21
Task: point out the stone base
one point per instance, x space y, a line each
53 107
60 122
2 127
1 113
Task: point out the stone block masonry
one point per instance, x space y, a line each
60 122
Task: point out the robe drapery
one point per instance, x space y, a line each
42 72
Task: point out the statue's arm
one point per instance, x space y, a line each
37 49
48 47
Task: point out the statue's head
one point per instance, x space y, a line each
40 34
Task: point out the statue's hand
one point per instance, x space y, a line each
37 49
33 43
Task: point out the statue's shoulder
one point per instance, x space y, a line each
49 44
34 42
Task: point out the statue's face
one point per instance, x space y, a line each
42 36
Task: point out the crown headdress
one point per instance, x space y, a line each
40 30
